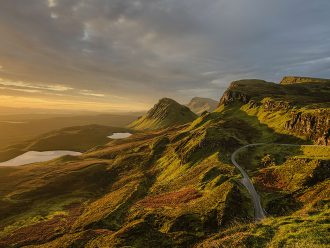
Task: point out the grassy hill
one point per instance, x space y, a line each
299 109
176 187
166 113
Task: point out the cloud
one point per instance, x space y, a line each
69 104
38 86
52 3
142 50
91 93
21 90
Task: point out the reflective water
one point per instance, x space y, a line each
33 157
119 135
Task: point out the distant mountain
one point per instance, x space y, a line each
17 129
165 113
183 187
199 104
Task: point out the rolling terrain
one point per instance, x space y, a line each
78 138
17 129
174 184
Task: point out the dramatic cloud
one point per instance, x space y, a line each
136 51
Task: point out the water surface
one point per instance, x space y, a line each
34 157
119 135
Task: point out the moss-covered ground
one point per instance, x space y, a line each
176 187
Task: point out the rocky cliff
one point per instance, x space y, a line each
314 125
296 80
303 107
244 90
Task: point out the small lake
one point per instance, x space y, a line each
119 135
34 157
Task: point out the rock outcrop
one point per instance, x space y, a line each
233 96
315 125
297 80
244 90
305 106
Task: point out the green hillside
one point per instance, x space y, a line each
178 187
166 113
298 109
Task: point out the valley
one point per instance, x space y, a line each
18 128
252 173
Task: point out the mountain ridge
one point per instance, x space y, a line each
198 105
297 79
301 109
177 187
164 114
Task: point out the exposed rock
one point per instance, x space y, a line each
316 125
232 96
272 105
243 90
296 80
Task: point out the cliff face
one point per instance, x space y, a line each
244 90
297 80
316 125
293 105
232 96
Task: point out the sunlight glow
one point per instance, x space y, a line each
43 103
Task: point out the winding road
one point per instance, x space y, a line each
259 212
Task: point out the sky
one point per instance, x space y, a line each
116 55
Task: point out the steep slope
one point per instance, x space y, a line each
294 183
166 113
79 138
300 109
295 80
145 191
177 187
198 105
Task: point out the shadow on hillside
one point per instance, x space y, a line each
248 130
263 133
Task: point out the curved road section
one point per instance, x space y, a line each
259 212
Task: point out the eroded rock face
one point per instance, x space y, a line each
316 125
244 90
295 97
272 105
233 96
297 80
